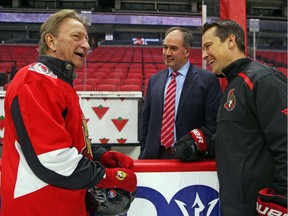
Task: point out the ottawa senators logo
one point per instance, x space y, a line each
42 69
231 100
121 175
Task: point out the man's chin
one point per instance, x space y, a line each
215 70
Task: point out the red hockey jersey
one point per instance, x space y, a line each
44 168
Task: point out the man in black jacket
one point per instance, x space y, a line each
251 138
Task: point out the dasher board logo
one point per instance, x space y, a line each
195 200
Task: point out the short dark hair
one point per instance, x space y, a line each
187 35
226 27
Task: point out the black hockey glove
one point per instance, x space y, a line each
194 146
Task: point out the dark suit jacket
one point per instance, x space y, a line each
198 106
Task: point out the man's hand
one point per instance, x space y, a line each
112 159
193 146
119 178
270 203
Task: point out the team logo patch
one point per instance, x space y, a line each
112 194
231 100
42 69
121 175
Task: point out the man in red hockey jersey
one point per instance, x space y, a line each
48 163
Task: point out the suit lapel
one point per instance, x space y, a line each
187 87
161 85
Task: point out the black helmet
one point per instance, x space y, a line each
108 201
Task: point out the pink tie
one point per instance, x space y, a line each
167 130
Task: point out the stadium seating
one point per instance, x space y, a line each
131 64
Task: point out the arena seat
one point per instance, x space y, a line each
135 76
119 75
84 87
105 70
106 87
82 75
130 87
135 70
150 70
120 70
133 81
148 75
77 81
135 65
114 81
93 81
151 66
100 75
122 65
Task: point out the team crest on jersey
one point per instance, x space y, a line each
231 100
42 69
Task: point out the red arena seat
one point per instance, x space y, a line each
130 87
106 87
84 87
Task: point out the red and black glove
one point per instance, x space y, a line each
119 178
193 146
113 159
270 203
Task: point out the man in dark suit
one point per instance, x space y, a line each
198 95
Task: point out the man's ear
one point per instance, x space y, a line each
50 41
231 40
188 50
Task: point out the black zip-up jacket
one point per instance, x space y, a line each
251 137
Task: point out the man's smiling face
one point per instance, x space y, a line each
71 42
215 52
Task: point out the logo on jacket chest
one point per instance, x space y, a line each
231 100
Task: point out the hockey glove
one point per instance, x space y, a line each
113 159
270 203
193 146
119 178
